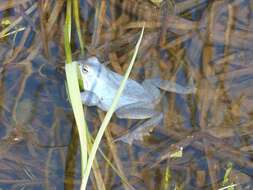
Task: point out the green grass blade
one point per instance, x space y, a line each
73 88
166 180
75 99
77 22
226 180
108 116
67 33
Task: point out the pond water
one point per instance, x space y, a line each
205 140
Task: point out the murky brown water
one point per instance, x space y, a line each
208 40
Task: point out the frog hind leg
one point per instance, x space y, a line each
151 88
139 110
142 130
174 87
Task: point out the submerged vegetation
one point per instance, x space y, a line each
205 139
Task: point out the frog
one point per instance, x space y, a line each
138 100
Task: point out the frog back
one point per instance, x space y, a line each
107 84
133 90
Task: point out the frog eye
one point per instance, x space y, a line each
85 68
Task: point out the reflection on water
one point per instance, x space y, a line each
209 40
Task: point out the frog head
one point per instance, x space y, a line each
90 70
